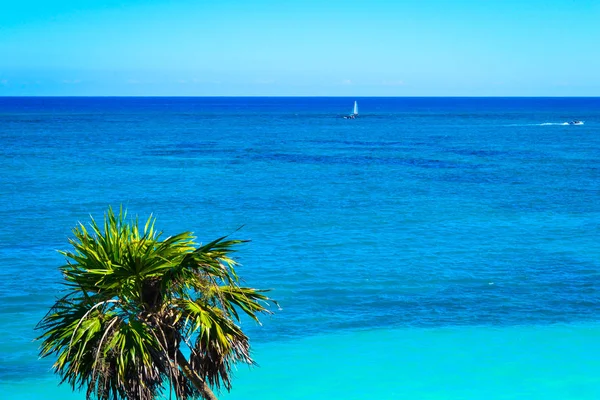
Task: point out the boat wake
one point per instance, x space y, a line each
574 122
569 123
542 124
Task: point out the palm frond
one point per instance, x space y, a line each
134 299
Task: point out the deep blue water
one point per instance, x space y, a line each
467 214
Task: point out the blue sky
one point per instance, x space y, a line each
293 47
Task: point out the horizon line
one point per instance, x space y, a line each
291 96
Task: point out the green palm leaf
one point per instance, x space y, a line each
135 301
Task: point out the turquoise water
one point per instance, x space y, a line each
432 249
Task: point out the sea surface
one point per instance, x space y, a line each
433 248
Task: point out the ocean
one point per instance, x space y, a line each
433 248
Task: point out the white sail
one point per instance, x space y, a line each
355 112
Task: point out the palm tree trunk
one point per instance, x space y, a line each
198 382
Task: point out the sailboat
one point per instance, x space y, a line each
354 112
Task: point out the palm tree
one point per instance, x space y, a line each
136 305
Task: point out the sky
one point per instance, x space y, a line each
299 48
